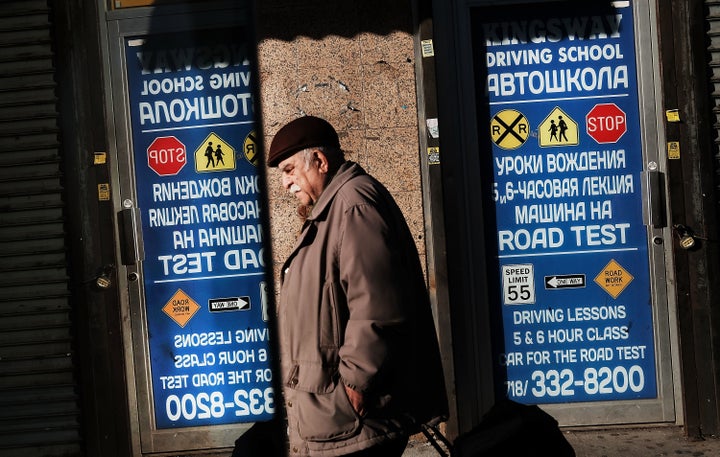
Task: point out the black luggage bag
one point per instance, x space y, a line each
509 429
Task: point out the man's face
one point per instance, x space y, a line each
305 181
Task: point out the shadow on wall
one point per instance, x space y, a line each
288 19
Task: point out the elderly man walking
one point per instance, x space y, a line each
358 349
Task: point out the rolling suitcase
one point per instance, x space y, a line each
509 429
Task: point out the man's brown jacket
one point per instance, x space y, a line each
354 310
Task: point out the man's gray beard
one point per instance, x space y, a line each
304 211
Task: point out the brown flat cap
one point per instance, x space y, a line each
303 132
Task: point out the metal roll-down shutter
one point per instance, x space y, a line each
713 9
39 412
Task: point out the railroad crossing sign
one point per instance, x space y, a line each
250 148
509 129
558 129
606 123
166 155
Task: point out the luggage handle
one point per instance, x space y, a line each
441 444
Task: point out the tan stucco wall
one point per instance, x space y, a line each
356 69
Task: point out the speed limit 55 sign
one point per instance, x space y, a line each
518 284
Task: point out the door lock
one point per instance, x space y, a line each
684 234
104 279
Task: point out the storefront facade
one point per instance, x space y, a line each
557 165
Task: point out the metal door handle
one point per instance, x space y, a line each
656 199
132 250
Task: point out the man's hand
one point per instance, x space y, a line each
356 400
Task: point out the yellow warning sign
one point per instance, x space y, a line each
613 278
558 129
250 148
181 308
214 154
509 129
104 192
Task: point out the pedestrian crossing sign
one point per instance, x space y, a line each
214 154
558 129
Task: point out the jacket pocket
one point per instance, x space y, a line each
326 417
323 408
329 328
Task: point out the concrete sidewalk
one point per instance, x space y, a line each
625 442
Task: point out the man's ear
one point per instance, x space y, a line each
321 160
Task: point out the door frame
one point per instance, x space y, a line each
466 232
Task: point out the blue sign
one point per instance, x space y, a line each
563 125
197 188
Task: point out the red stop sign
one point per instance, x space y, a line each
606 123
166 155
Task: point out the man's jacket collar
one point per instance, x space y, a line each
345 173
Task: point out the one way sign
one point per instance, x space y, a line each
565 281
219 305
